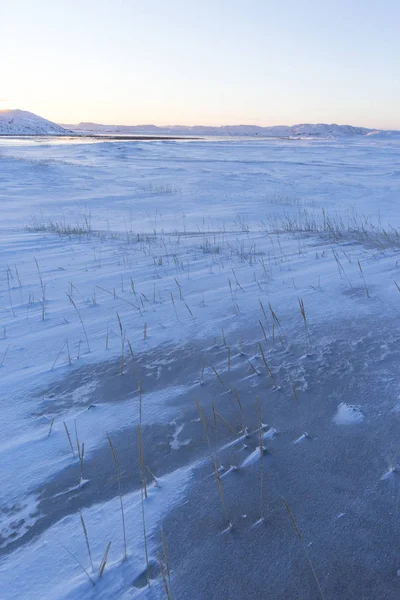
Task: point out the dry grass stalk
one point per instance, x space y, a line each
237 281
9 291
81 320
43 287
104 560
77 440
363 278
115 296
120 324
57 357
214 462
259 412
173 303
265 317
82 454
166 587
69 439
77 560
87 539
238 399
156 482
179 288
202 368
221 495
123 335
141 461
166 556
17 274
276 322
234 303
225 422
51 427
119 491
261 448
297 530
340 267
270 373
305 321
69 354
145 535
394 461
218 376
122 354
214 414
190 312
203 420
263 330
302 421
253 368
223 338
4 355
140 387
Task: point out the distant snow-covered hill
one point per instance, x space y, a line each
22 122
303 130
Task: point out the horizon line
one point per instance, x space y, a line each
64 123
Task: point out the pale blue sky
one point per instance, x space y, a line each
214 62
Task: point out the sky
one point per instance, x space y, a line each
211 62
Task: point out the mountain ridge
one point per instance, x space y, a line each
300 130
21 122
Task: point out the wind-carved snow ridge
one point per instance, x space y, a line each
348 414
16 519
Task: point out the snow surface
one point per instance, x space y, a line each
22 122
348 415
176 255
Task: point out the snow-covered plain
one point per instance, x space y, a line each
184 266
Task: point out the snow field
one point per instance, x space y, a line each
92 286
